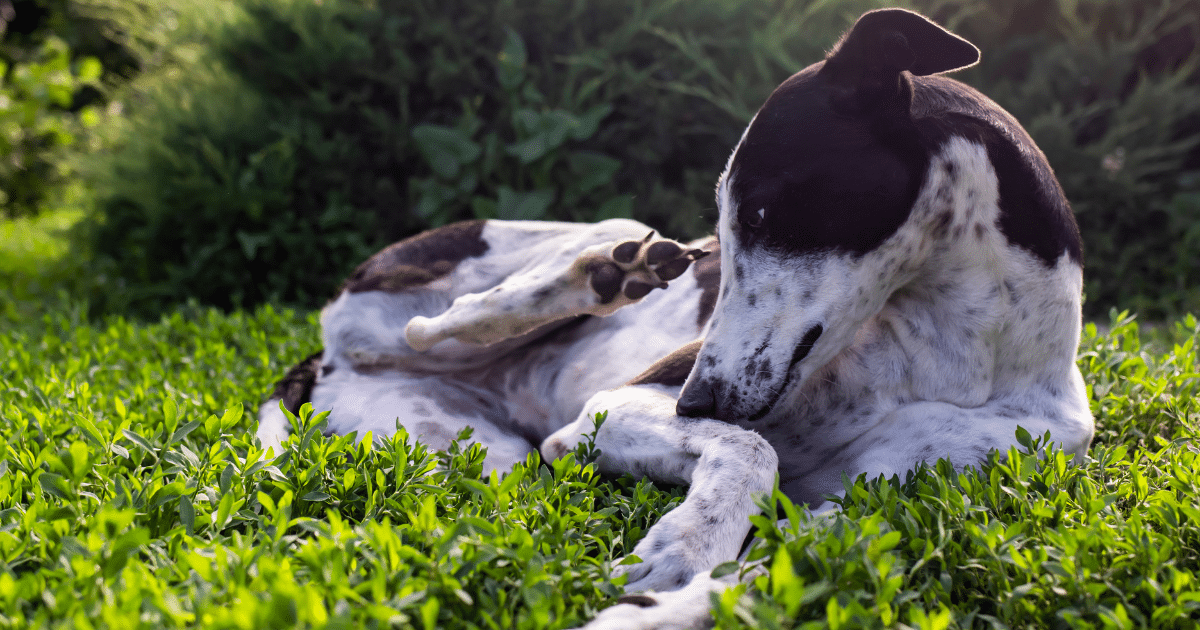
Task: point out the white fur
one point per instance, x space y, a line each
940 342
932 348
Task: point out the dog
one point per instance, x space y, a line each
896 278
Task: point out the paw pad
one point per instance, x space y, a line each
635 268
606 280
626 252
636 289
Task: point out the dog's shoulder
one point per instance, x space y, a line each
1034 212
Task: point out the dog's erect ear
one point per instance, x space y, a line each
870 57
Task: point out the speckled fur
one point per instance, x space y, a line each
925 309
512 340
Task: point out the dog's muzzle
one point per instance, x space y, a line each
703 398
697 401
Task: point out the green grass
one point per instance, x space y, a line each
132 495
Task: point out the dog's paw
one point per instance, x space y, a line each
634 268
684 609
665 566
672 553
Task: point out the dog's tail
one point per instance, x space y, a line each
294 389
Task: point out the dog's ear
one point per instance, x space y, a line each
868 61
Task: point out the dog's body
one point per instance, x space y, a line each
898 280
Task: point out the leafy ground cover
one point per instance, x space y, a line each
132 495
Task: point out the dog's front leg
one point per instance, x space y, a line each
725 465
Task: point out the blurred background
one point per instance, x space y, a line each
155 153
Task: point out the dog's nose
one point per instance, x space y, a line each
696 400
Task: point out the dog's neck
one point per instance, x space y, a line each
985 316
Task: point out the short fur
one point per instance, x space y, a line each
898 280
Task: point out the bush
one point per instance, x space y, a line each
54 63
309 134
303 135
38 119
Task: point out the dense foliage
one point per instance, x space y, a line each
50 81
132 495
294 137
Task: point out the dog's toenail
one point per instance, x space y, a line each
625 252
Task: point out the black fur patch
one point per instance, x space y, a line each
641 601
836 182
419 259
838 153
1034 212
672 369
295 388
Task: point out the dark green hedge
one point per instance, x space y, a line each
303 136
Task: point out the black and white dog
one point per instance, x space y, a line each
898 280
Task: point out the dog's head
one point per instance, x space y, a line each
827 171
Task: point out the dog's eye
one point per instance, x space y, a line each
753 220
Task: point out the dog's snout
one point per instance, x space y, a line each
697 400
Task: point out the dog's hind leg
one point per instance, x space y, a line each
460 296
475 290
580 277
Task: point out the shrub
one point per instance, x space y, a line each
309 134
37 95
304 135
53 63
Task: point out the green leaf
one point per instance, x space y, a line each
510 62
541 133
170 414
183 431
589 121
89 70
429 613
435 198
592 170
224 509
445 149
725 568
55 485
139 440
523 206
1024 439
187 513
